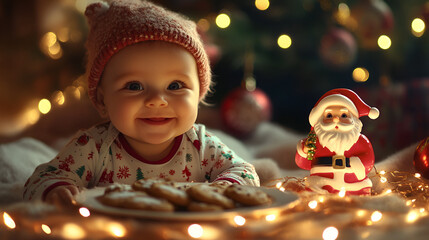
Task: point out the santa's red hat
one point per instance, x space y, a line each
342 97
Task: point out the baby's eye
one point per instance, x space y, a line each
134 86
329 115
175 85
344 115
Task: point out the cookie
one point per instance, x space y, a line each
221 185
118 198
170 193
135 200
209 194
203 207
117 187
247 195
145 184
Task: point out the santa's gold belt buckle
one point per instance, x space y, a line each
343 162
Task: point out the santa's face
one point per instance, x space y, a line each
338 129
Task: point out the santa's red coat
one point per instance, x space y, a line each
362 149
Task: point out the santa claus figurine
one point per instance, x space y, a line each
338 156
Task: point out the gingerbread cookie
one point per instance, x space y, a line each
118 198
247 195
209 194
170 193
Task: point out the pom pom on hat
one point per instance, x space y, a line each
342 97
119 23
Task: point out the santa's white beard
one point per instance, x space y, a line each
341 139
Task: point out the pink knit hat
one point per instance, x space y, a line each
342 97
120 23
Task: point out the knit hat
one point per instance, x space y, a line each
119 23
342 97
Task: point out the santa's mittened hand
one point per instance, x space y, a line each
358 168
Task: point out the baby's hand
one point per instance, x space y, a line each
62 195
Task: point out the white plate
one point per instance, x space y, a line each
281 200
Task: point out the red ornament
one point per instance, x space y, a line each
369 20
242 111
338 48
421 158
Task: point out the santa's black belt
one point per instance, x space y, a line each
334 161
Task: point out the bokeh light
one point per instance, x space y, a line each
360 74
384 42
223 20
284 41
262 4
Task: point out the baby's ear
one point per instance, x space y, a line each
99 103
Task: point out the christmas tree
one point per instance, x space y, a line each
295 50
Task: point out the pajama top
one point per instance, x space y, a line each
101 156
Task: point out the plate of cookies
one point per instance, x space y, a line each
161 199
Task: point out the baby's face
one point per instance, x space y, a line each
151 92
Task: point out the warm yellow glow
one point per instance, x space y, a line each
46 229
376 216
384 42
223 20
417 175
343 14
412 216
383 179
195 230
203 24
312 204
84 212
72 231
382 172
270 217
116 229
64 34
418 27
330 233
239 220
388 191
360 213
44 106
360 74
262 4
58 97
321 199
278 185
55 51
49 39
32 116
342 192
284 41
282 189
8 221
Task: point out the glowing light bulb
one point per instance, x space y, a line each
8 221
312 204
46 229
418 27
383 179
330 233
84 212
342 192
384 42
239 220
195 231
284 41
72 231
417 175
44 106
376 216
262 4
412 216
360 74
116 229
278 185
223 20
270 217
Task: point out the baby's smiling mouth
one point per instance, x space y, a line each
156 120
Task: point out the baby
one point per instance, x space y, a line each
147 73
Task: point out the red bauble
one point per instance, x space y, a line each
421 158
369 20
242 111
338 48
